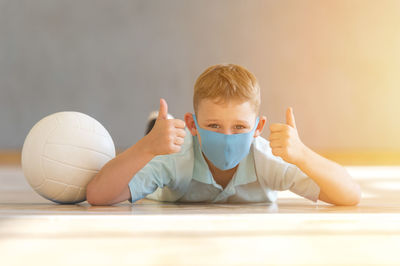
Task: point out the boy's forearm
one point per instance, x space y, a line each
116 174
334 181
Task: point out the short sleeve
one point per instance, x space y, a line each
290 177
156 173
280 175
165 175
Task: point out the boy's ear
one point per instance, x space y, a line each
189 121
260 126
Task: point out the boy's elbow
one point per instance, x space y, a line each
352 202
355 198
357 195
90 196
93 198
349 198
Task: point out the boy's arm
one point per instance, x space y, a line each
115 175
110 185
336 185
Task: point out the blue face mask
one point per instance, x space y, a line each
225 151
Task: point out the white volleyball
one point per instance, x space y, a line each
62 153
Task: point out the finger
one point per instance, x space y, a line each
181 133
277 127
276 136
179 141
163 111
277 151
176 148
178 123
275 144
290 117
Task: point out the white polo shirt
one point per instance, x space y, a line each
185 177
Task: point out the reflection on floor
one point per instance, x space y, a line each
294 230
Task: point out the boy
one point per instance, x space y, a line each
220 156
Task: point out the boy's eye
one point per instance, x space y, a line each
218 126
213 125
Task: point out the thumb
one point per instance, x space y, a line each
290 117
163 112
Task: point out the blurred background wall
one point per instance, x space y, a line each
336 63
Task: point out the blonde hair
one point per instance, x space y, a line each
224 82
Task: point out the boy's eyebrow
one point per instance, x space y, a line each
218 120
242 121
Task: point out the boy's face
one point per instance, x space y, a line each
232 117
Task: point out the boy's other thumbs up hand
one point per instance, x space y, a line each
167 135
163 111
284 140
290 117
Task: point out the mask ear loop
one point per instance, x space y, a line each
195 121
256 125
196 125
197 131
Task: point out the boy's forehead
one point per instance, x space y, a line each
206 104
224 104
210 109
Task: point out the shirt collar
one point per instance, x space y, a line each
245 172
201 172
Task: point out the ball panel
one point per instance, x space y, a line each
76 156
82 194
63 135
84 122
100 130
70 195
33 147
68 118
51 188
68 174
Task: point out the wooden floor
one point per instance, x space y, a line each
34 231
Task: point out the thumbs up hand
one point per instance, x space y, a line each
284 140
167 135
